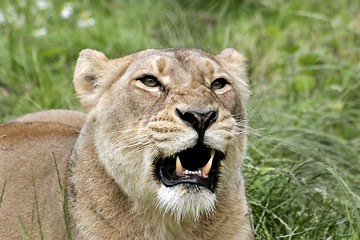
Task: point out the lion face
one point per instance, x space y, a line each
170 124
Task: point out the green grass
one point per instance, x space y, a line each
303 165
2 192
23 229
62 194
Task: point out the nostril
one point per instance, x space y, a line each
198 120
213 115
191 117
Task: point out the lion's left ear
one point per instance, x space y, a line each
235 63
90 67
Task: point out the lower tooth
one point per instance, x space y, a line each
198 172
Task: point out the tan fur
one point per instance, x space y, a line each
26 156
112 192
66 117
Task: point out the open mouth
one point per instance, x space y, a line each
198 165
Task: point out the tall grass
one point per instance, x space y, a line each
23 229
2 192
62 193
302 168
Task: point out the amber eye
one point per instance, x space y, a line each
150 81
218 84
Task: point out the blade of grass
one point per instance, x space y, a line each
38 211
62 199
22 228
2 192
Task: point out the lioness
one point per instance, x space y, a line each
158 155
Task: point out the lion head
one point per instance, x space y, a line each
169 124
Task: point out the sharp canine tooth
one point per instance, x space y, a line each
179 167
207 167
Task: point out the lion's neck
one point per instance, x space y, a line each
99 209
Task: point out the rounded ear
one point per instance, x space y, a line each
235 63
90 67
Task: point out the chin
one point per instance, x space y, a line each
186 202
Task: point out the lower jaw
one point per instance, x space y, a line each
197 202
193 181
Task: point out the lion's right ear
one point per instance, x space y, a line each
235 63
90 67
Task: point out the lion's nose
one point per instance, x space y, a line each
200 121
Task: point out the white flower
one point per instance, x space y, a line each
321 190
86 22
40 32
2 18
85 19
11 16
66 10
43 4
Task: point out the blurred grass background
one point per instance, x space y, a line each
302 167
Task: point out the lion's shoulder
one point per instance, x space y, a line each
29 147
67 117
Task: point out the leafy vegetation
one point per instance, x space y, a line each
303 165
